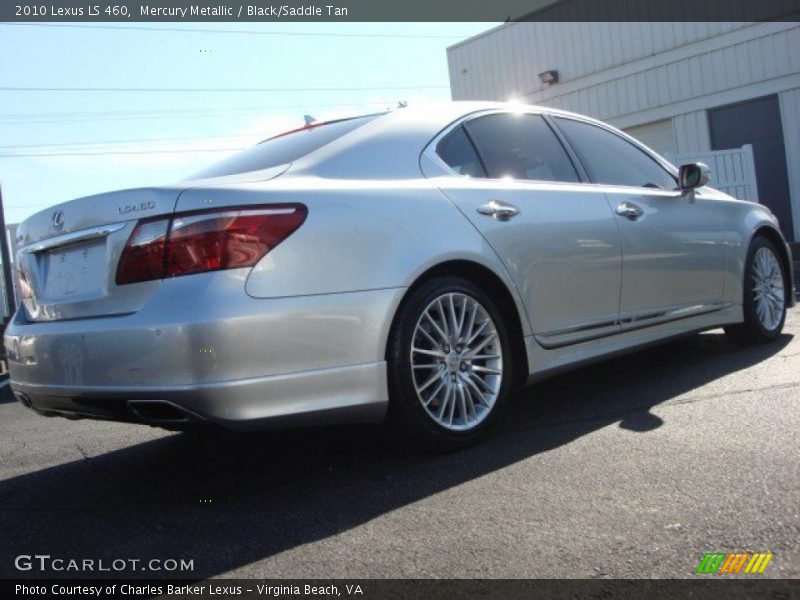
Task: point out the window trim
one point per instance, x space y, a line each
430 149
475 149
583 174
667 166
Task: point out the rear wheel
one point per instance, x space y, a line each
449 364
764 302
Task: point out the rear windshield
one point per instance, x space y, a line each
282 149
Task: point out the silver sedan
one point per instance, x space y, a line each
413 266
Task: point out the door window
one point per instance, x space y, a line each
520 146
612 160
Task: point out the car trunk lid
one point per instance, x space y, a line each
67 255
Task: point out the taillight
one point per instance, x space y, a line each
206 241
143 256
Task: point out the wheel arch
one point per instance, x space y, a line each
495 287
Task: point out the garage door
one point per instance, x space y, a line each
758 122
659 135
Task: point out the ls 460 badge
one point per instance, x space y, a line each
129 208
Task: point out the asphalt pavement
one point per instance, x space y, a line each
633 467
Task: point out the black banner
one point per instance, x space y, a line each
132 11
395 589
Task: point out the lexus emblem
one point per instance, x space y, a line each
58 219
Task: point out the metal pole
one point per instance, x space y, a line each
5 256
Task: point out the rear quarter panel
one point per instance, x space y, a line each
359 235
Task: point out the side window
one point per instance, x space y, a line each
457 152
612 160
521 146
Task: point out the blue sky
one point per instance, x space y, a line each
86 142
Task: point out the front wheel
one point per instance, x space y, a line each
449 364
764 301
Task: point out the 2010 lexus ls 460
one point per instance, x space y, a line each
415 265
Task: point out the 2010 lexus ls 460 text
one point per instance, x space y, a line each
413 266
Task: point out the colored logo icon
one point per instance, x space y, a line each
734 562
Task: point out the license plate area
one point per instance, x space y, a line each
74 272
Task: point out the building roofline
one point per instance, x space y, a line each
480 35
530 16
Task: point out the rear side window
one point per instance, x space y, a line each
613 160
458 153
521 146
282 149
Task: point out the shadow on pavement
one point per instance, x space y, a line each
229 501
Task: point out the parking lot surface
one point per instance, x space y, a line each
633 467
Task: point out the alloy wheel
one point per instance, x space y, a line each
456 361
768 292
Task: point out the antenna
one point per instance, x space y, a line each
309 120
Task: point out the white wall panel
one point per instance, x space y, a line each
628 78
672 81
519 51
692 133
660 136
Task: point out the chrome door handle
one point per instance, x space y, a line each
497 209
629 210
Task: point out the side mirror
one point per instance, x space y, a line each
693 176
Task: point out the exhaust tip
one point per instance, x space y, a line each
159 411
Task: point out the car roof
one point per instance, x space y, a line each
389 145
452 110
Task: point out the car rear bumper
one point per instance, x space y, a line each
352 394
199 351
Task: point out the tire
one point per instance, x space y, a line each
455 393
765 295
